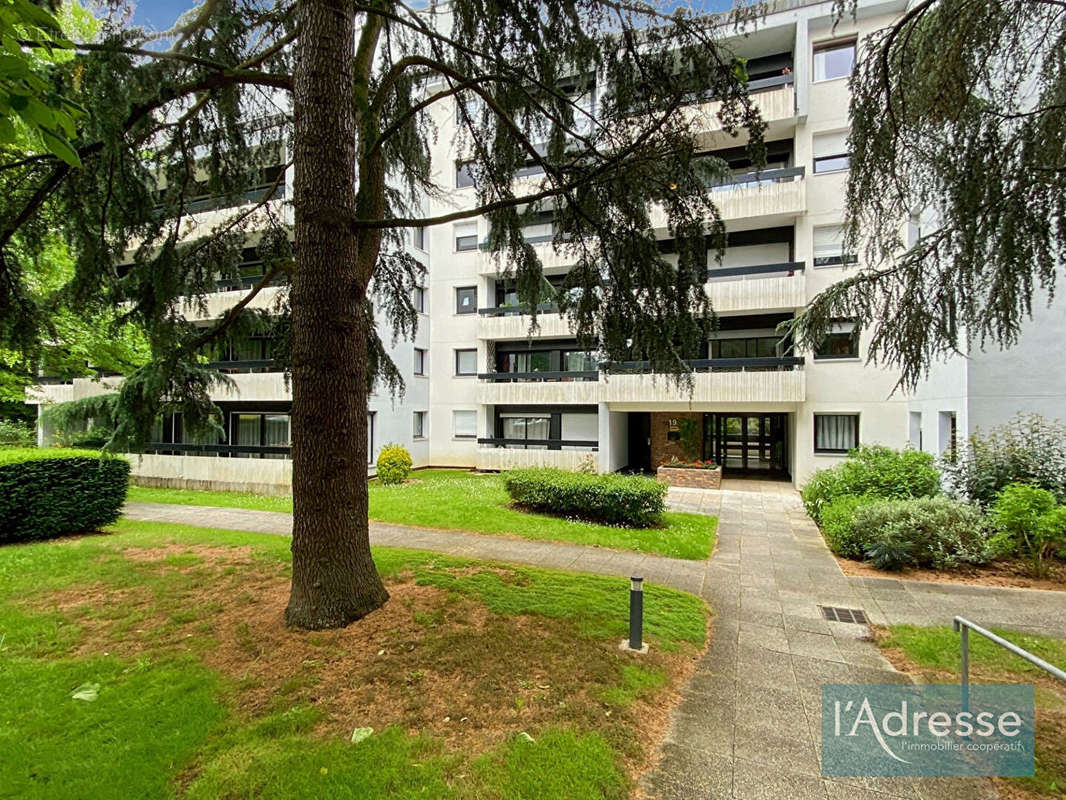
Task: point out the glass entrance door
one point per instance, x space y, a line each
747 443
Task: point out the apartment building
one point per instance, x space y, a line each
484 392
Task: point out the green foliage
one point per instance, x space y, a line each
838 525
978 150
44 493
934 532
612 499
1027 449
689 437
876 471
394 464
18 434
470 501
1029 522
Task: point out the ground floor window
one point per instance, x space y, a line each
419 431
521 429
464 424
836 433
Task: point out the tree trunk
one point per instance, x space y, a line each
334 580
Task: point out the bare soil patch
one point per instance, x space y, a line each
429 661
999 573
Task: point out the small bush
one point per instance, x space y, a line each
14 433
46 493
394 464
1029 522
838 525
932 532
612 499
1028 449
876 471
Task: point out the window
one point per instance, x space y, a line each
527 361
420 361
834 60
419 431
829 247
916 430
579 361
842 341
420 238
949 433
749 347
465 237
466 362
464 176
371 417
418 299
253 430
466 300
836 433
464 424
831 152
520 429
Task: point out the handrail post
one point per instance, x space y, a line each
964 633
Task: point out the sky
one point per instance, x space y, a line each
161 14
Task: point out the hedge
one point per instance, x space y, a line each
611 499
46 493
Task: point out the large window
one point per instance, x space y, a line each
466 300
836 433
829 247
842 341
749 347
831 152
834 60
523 428
464 424
536 361
466 362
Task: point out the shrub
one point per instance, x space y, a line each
46 493
876 471
17 434
612 499
935 532
394 464
838 525
1029 522
1028 449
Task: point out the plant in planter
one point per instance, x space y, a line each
676 463
696 474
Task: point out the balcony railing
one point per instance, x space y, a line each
758 178
507 311
754 87
237 367
771 364
549 444
192 448
789 267
573 376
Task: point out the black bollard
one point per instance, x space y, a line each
636 613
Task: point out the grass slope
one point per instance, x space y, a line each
468 501
165 623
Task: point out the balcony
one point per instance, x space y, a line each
503 454
512 322
754 195
774 97
719 380
218 303
538 388
549 258
757 288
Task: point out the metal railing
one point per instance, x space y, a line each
574 376
550 444
253 365
507 311
193 448
758 269
784 363
759 177
963 627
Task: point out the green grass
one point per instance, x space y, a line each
165 724
468 501
936 653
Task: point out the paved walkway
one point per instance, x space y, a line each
748 726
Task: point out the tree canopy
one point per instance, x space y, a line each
957 118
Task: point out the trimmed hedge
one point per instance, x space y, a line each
632 501
46 493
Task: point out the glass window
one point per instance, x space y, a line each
834 60
842 341
419 424
247 432
829 247
831 152
466 362
466 300
420 238
464 424
420 361
466 242
418 299
577 361
836 433
276 433
464 176
520 430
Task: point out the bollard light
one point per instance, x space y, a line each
636 613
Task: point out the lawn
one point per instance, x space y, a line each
932 655
152 662
469 501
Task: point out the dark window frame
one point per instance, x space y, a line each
852 337
418 299
421 355
458 372
834 451
418 425
820 160
466 243
459 306
464 178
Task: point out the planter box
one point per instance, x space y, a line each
690 477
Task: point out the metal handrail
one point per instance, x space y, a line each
777 175
758 269
250 364
551 444
187 447
705 364
964 626
507 311
574 376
